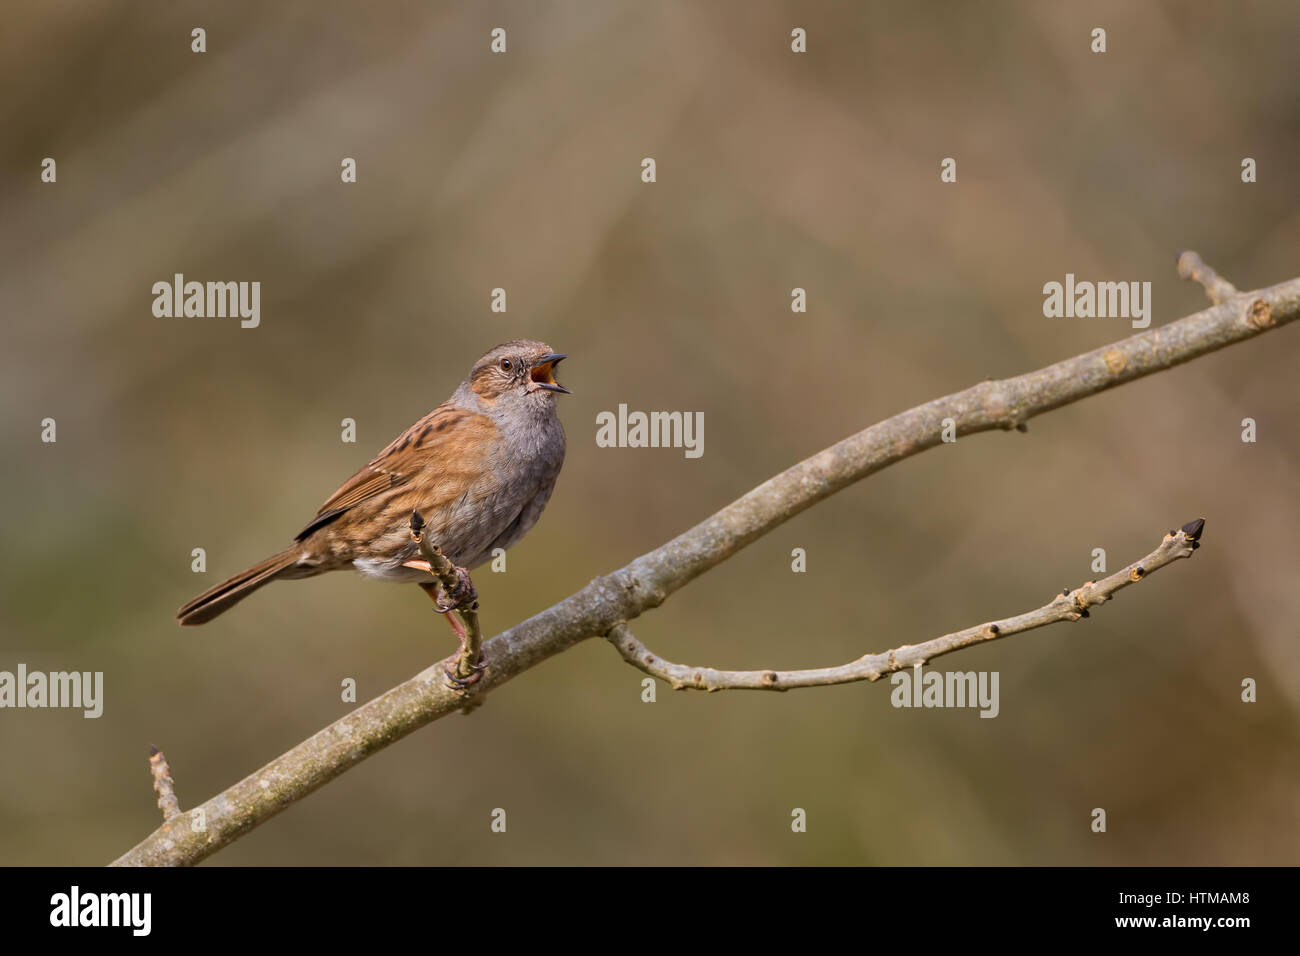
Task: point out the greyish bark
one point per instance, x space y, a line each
648 580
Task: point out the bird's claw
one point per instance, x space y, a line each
452 669
464 593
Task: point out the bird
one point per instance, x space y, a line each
476 472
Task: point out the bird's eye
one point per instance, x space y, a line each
505 365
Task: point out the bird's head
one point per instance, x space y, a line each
518 371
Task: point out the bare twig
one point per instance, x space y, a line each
1066 606
163 785
648 580
1219 289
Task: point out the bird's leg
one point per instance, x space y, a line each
460 663
454 583
431 588
463 593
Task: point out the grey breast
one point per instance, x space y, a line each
526 469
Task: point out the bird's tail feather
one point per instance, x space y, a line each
222 597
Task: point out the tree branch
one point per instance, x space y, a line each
163 785
1066 606
1219 289
648 580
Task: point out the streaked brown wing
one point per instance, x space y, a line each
443 448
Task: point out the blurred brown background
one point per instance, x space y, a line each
775 170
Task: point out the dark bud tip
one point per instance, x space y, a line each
1022 427
1084 613
1193 528
417 521
993 629
1195 545
153 751
1065 592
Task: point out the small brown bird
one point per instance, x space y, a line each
479 468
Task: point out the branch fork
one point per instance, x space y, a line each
1066 606
604 605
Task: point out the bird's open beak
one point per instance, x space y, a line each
543 373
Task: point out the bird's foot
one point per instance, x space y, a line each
467 666
462 594
455 666
460 670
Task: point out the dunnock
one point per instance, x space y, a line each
479 468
